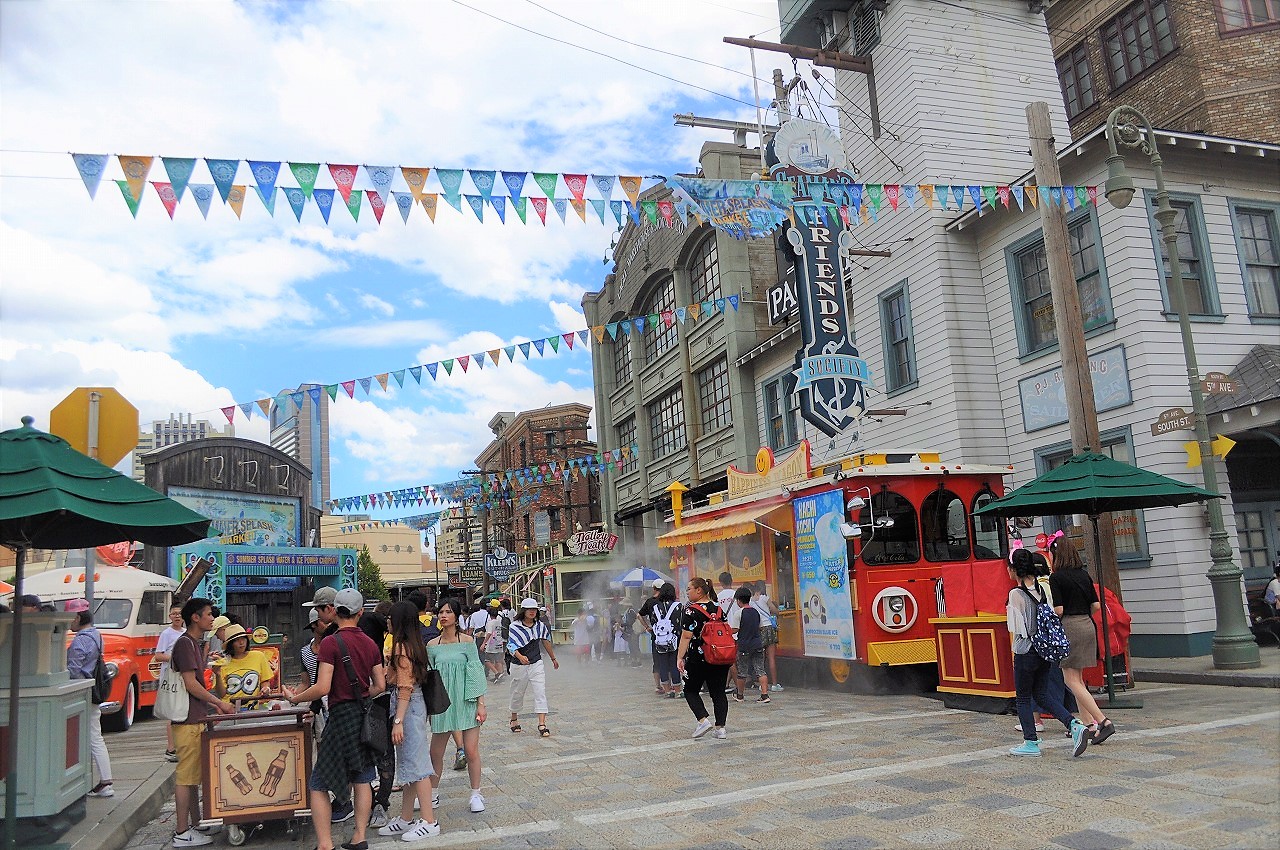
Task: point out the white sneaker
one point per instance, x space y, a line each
721 733
477 802
377 817
191 838
396 826
103 791
421 830
703 727
775 687
1039 726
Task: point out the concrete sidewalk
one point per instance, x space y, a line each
1200 671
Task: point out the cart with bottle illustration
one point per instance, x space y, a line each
255 770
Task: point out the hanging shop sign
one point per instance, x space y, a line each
822 566
596 542
769 473
500 564
472 572
781 302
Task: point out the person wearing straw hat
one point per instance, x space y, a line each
529 636
242 673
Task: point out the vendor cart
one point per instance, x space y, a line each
255 770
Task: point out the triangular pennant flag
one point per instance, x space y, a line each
1091 195
612 329
265 175
129 199
416 179
638 324
451 181
719 305
477 205
478 360
650 210
315 393
957 195
416 372
1055 192
324 200
365 383
988 195
376 203
382 380
604 185
264 404
404 203
1002 192
667 210
524 349
350 387
891 192
268 200
167 197
561 206
668 317
179 170
599 207
247 409
465 359
431 369
511 353
547 182
429 204
912 194
541 346
494 354
540 207
223 172
554 341
235 200
580 207
633 212
483 181
694 310
1046 195
1017 192
381 176
733 302
91 166
875 192
353 205
631 187
618 209
448 366
344 177
568 339
332 390
654 320
297 200
499 203
521 206
136 169
229 412
582 335
297 398
305 173
514 181
577 185
203 193
1082 195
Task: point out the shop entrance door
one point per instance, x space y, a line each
1258 531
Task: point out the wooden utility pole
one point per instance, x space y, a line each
1082 412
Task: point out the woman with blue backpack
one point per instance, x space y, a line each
1038 644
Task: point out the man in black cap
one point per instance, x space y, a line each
31 604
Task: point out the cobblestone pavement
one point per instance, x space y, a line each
1196 767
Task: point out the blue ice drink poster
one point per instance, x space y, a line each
822 562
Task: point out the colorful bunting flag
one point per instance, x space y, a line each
90 166
344 177
135 170
167 197
129 198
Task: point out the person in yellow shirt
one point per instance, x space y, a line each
242 673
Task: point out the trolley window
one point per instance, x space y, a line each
945 527
112 613
990 541
154 608
890 532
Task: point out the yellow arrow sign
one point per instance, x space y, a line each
1221 446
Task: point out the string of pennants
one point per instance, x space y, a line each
401 187
489 488
633 325
423 522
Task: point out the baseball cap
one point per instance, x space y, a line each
220 621
75 606
528 602
325 596
658 583
494 603
313 617
348 598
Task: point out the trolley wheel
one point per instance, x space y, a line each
236 836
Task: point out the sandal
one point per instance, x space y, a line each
544 732
515 727
1105 730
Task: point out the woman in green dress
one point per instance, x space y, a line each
454 654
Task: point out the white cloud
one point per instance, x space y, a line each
568 316
374 304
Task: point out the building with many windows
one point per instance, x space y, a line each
301 430
178 428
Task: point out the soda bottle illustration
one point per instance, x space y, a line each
275 772
237 779
255 773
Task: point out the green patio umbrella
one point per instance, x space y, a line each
53 497
1090 483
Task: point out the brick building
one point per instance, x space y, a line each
540 514
1195 66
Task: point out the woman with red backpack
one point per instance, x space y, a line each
700 657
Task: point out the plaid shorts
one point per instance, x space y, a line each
751 664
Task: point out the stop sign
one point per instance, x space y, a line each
117 423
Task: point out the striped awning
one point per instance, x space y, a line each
737 523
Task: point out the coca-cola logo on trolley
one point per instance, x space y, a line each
591 543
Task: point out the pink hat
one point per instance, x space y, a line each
75 606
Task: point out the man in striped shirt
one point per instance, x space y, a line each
529 635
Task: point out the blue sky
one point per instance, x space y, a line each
192 315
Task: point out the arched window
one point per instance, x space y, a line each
989 538
945 527
657 341
704 271
890 534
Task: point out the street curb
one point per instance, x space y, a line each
1239 679
114 832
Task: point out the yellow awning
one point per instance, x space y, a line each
733 524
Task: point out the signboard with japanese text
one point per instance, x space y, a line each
822 565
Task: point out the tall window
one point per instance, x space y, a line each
713 396
1130 536
666 424
780 412
1247 14
1032 296
626 439
1199 295
1256 233
704 271
890 534
622 360
1077 80
945 527
660 339
899 352
1136 39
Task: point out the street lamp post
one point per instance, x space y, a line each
1233 644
